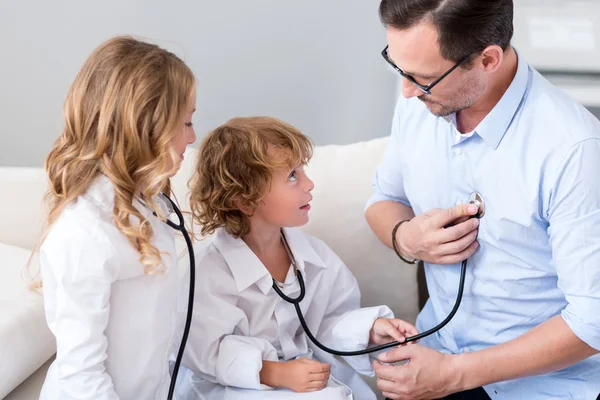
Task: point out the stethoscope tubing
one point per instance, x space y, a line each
190 308
296 303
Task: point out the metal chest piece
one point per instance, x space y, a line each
477 199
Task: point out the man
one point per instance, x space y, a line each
475 117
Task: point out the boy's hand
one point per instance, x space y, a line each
386 330
304 375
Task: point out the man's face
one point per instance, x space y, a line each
416 51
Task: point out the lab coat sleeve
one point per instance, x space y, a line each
345 325
78 271
218 349
388 181
240 361
574 229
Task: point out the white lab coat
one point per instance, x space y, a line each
239 320
113 323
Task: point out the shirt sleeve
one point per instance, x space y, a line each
346 326
388 182
218 349
574 230
78 271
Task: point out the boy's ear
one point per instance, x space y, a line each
245 208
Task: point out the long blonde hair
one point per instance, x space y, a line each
121 114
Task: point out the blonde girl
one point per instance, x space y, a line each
108 261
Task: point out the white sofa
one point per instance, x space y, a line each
342 176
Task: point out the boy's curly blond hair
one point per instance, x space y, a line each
235 166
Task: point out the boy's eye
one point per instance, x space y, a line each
189 124
292 176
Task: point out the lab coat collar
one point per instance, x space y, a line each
247 269
102 193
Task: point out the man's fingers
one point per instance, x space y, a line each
458 231
457 221
387 387
463 255
452 214
458 245
399 353
385 372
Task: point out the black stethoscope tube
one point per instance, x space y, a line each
188 320
296 302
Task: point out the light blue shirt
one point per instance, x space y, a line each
535 159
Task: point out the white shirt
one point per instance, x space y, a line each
113 322
239 320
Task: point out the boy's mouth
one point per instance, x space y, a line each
305 207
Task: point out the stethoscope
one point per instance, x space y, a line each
476 199
188 320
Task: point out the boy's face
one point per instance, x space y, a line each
287 203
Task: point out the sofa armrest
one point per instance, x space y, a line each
22 211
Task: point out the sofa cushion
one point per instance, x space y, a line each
25 340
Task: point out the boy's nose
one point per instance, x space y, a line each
310 185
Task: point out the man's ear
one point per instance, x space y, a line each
491 58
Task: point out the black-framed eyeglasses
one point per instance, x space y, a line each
424 88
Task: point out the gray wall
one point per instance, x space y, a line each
313 63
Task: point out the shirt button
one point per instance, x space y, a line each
467 350
458 152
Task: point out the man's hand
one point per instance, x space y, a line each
429 374
440 236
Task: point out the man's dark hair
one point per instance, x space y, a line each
465 27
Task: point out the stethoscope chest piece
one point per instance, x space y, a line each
477 199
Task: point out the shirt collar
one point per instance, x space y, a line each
247 269
496 123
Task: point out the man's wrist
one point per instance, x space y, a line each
401 246
398 245
460 376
